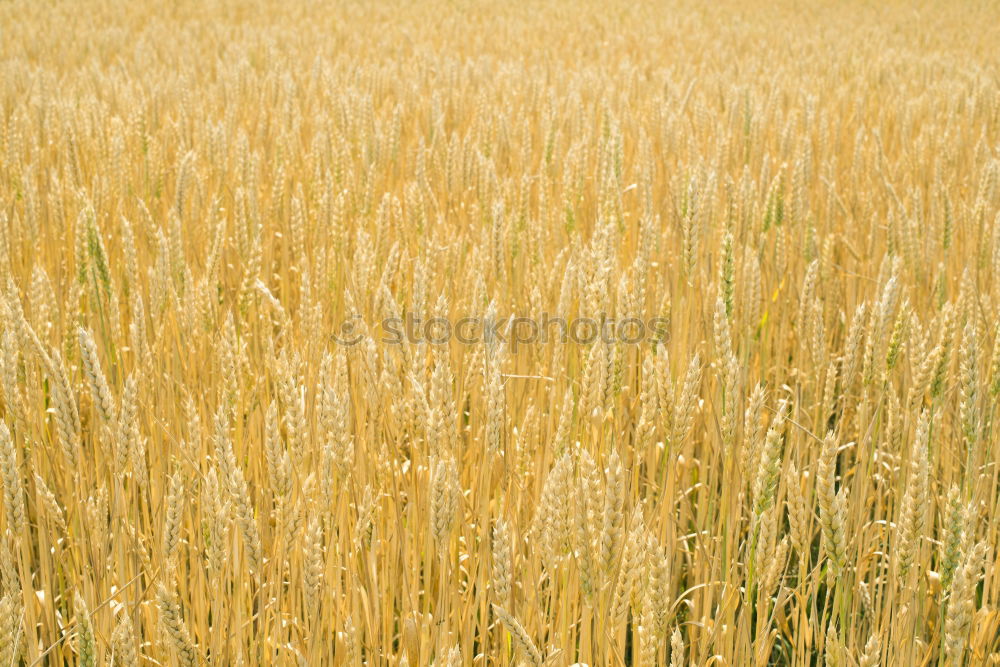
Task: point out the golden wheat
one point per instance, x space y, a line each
605 333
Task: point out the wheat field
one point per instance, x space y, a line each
241 423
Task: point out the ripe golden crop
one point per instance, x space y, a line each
479 333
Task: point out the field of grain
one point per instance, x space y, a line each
230 435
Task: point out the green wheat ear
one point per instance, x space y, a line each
728 272
96 251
